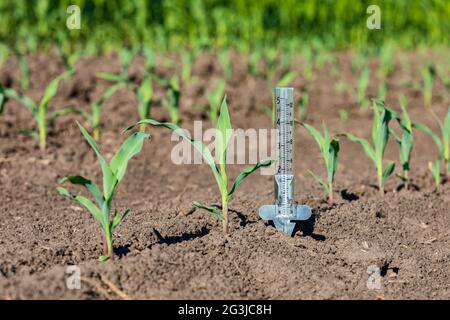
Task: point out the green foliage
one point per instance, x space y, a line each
144 93
329 147
361 88
405 141
38 110
214 98
112 175
172 102
442 143
287 79
380 137
302 106
225 62
24 72
171 24
94 117
428 76
223 135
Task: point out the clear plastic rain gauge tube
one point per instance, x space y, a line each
285 211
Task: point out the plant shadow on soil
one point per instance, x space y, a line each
187 236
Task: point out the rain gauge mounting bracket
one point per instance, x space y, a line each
285 211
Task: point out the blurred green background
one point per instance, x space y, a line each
34 25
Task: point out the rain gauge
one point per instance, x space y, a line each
285 211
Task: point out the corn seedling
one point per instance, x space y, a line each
329 147
382 90
270 58
303 106
343 115
39 110
224 132
150 60
254 60
386 58
380 137
428 76
214 98
406 140
112 175
126 57
172 102
144 94
443 143
287 79
187 58
361 88
225 62
24 72
94 117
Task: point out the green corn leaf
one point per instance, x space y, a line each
109 180
213 210
110 77
52 88
423 128
109 92
223 133
388 171
246 172
63 112
3 98
320 181
128 149
214 99
406 145
145 95
315 134
149 58
198 145
332 162
11 93
396 136
85 202
88 184
365 144
382 133
446 136
287 79
118 218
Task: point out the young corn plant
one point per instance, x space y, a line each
39 110
214 98
225 62
94 117
172 102
144 94
24 71
405 141
380 137
224 132
443 144
303 106
287 79
361 88
113 172
187 58
329 147
126 57
428 76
